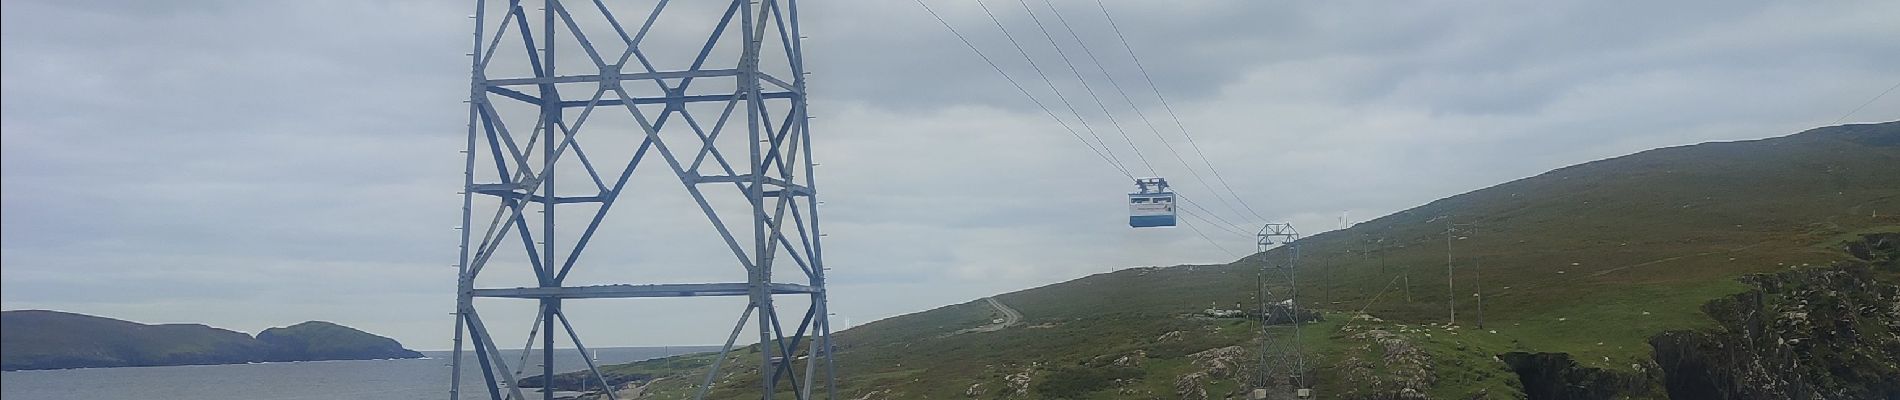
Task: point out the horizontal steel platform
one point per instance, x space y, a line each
632 291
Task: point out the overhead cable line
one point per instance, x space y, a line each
1223 225
1198 206
1084 81
1103 105
1107 158
1195 173
1209 240
1052 87
1869 101
1091 92
1170 109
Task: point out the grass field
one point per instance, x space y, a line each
1590 260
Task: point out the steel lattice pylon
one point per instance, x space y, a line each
553 67
1282 363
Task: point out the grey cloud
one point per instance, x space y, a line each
254 164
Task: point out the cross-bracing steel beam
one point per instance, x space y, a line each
517 79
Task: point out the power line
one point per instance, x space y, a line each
1052 85
1224 224
1170 109
1108 158
1143 116
1085 84
1189 202
1869 101
1197 231
1098 100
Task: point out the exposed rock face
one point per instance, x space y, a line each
1130 360
1172 335
1825 333
1019 383
1879 250
1192 386
875 395
1212 364
1813 333
1401 372
1221 362
1556 376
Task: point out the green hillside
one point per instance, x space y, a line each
1588 273
37 339
319 340
40 339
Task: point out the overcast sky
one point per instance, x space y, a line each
249 164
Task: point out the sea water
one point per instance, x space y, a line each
414 379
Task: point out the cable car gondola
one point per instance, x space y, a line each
1151 205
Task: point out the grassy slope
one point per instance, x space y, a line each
40 339
1623 248
1589 260
319 340
51 339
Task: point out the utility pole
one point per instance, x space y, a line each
1478 272
1451 292
1405 272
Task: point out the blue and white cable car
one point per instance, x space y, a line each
1151 205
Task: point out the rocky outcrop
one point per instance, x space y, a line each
1822 333
1192 386
1019 382
1555 376
1132 360
1220 363
975 391
1402 371
1813 333
1880 251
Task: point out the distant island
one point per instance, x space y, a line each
41 339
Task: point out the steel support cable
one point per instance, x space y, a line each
1052 85
1203 215
1107 158
1190 202
1170 109
1084 82
1085 86
1883 93
1195 173
1106 114
1203 235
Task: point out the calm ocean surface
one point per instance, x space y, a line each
355 380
